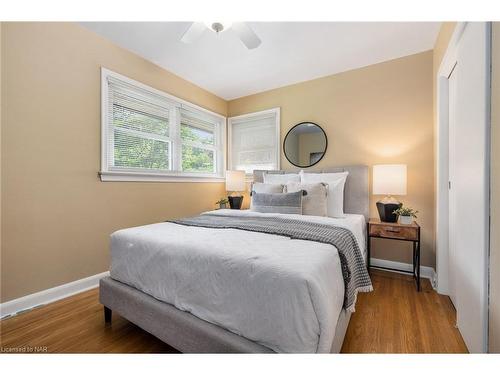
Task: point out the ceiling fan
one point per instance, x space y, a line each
244 32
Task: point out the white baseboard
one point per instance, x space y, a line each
427 272
15 306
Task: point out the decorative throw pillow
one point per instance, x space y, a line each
259 187
277 178
336 183
315 202
281 203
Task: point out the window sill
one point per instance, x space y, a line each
153 177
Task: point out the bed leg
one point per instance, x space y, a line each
107 315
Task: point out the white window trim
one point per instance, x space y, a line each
157 176
231 120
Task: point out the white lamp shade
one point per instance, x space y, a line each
389 179
235 181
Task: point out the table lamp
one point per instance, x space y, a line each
235 182
389 180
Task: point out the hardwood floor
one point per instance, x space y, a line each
76 325
392 319
395 318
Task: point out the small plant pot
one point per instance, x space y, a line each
222 206
407 220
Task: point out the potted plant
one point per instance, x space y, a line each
406 214
222 203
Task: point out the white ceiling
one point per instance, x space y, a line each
290 52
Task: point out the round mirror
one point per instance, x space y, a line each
305 144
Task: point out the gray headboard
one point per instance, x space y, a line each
356 191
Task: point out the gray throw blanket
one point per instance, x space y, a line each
356 278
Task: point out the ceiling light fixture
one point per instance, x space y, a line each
218 27
244 32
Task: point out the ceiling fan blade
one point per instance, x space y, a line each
194 32
246 34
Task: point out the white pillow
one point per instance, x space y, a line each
315 202
259 187
336 183
276 178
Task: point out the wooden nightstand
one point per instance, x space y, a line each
396 231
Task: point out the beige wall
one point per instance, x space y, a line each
378 114
494 321
56 214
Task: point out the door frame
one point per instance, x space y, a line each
442 159
442 166
451 168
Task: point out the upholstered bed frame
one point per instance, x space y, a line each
189 334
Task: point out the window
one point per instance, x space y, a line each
149 135
254 141
198 144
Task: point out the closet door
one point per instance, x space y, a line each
471 184
452 202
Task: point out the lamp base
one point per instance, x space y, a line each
385 211
235 202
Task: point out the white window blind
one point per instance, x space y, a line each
139 131
199 144
146 132
254 141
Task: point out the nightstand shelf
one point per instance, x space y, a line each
401 232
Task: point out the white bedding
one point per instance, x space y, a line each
282 293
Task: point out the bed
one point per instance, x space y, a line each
222 290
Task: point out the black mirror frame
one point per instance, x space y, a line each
286 136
